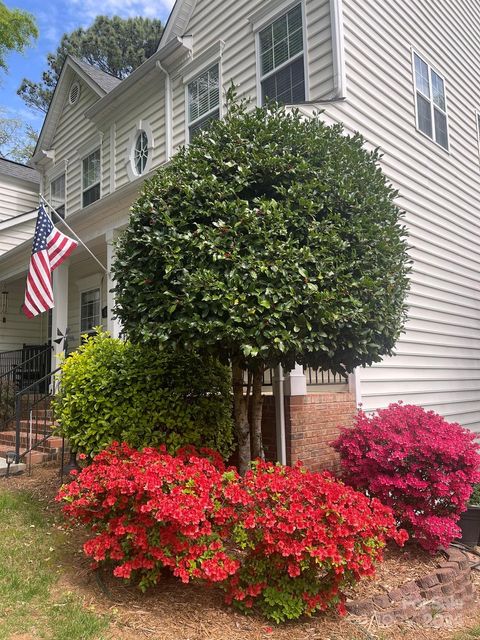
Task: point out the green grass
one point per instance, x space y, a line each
469 634
30 601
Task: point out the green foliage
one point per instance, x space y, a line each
270 239
17 139
113 44
7 400
17 28
475 496
114 390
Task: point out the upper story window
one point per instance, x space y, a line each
89 310
203 100
282 65
57 195
91 178
140 153
431 103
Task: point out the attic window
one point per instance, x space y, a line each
74 94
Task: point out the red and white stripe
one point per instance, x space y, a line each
39 290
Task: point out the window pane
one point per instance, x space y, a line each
424 115
441 133
203 94
287 86
141 152
438 91
202 124
91 195
421 76
91 169
57 195
90 310
281 40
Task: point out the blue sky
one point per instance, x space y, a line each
54 18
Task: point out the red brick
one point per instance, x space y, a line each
430 580
445 575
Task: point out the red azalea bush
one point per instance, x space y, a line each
417 463
281 538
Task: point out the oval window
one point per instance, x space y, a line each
140 154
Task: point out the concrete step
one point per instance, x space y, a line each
53 442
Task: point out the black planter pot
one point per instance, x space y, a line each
469 523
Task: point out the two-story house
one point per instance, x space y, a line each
406 75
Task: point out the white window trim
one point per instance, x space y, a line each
277 10
87 290
142 125
97 147
431 68
220 108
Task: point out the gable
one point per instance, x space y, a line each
71 70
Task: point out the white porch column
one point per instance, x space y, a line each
296 382
60 310
113 324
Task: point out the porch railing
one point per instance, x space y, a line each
19 369
315 377
33 414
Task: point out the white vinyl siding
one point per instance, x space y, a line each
228 20
72 131
17 197
17 329
146 106
437 362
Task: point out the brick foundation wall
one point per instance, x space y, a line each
311 422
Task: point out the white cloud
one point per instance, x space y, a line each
126 8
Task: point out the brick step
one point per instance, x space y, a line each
54 443
40 424
35 457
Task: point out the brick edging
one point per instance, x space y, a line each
432 600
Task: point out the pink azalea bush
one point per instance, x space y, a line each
417 463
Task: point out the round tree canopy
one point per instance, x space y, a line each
271 239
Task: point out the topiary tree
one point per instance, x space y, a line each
272 239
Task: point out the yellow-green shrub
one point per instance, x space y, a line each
115 390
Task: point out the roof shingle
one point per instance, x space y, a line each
17 170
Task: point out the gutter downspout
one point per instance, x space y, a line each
279 393
168 112
338 50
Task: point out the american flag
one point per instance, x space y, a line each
50 249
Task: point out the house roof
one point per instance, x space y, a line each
104 80
17 170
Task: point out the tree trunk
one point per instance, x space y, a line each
257 406
240 415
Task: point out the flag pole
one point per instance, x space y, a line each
62 220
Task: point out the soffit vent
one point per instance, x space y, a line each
74 94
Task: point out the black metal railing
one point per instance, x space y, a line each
34 419
315 377
20 369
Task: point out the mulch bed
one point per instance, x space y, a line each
173 611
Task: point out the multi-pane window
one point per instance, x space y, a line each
430 102
140 153
91 178
203 100
282 65
89 310
57 195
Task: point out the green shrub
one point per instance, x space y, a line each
115 390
